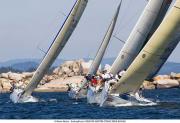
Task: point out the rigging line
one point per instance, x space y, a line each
118 17
125 25
61 28
122 41
38 47
123 15
62 13
41 49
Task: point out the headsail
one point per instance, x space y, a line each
167 34
164 8
58 44
162 13
98 58
151 17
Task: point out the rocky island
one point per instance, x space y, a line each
73 72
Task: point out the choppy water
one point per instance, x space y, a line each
59 106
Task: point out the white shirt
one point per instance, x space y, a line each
122 73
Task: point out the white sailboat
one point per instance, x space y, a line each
98 58
147 24
168 33
54 50
149 21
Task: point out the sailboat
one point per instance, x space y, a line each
58 44
98 58
148 22
167 35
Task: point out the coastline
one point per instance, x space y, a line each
72 72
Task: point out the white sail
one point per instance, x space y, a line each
164 8
167 33
58 44
150 19
98 58
163 59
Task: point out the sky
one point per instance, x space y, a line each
29 26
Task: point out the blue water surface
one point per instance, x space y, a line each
60 106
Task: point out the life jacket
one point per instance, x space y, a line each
94 82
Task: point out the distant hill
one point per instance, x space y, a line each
25 64
16 61
29 64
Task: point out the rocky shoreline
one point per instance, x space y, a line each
73 72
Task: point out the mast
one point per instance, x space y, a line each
151 17
98 58
57 45
167 34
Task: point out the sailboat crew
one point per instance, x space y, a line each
120 74
93 81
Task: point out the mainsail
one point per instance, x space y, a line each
98 58
58 44
150 19
168 33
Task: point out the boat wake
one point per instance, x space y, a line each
16 97
131 101
76 93
114 100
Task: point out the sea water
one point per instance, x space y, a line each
60 106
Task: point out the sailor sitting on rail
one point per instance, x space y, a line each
120 74
73 90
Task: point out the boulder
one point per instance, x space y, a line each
15 76
77 68
48 78
86 66
5 84
172 74
161 77
72 74
72 68
148 85
4 75
175 75
166 83
66 70
1 87
27 74
56 71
